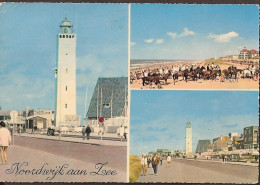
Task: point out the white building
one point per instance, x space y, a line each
188 139
65 74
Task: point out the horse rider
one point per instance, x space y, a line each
145 73
208 67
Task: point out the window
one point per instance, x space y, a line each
66 88
63 36
60 36
70 36
66 106
66 70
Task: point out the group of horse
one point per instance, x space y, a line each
189 73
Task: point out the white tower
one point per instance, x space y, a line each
188 139
65 113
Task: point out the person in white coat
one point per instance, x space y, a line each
5 141
144 164
169 161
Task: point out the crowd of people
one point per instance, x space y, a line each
155 160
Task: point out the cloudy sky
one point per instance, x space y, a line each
161 31
28 50
158 118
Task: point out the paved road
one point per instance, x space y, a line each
56 153
202 172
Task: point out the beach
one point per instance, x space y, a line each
200 84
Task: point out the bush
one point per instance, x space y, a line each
135 168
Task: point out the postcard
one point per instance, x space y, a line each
64 92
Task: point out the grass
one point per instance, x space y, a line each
216 62
135 168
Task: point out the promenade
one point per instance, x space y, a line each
203 171
95 139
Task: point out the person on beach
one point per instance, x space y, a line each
222 77
88 131
208 67
148 161
169 160
83 132
144 164
5 141
155 162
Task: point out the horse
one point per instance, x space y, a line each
165 77
205 74
214 74
151 78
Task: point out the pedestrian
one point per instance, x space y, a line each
144 164
222 77
226 158
121 132
223 158
155 162
160 160
148 161
88 131
169 160
20 130
125 133
5 141
83 132
34 129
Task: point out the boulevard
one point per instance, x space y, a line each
194 171
87 162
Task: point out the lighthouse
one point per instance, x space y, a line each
188 139
65 74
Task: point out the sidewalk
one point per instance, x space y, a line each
233 163
78 139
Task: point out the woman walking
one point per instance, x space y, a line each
5 141
144 164
169 160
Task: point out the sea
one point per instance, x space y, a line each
135 64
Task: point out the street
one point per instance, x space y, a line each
88 162
191 171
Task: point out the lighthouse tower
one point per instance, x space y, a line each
65 74
188 139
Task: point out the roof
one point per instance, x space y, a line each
119 87
244 50
253 51
202 146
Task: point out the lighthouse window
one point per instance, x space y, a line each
66 88
66 105
63 36
66 70
60 36
70 36
66 36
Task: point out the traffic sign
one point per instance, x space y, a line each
101 119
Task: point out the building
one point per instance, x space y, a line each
65 74
223 143
203 146
232 134
109 100
238 142
164 152
188 139
251 137
244 54
254 53
248 54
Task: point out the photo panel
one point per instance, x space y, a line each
194 137
199 47
64 92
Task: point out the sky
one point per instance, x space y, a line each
158 117
28 50
174 31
